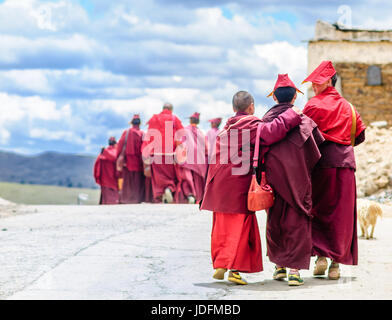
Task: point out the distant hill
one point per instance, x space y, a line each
48 168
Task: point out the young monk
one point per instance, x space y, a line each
159 143
235 238
212 133
133 178
192 173
334 226
105 173
289 164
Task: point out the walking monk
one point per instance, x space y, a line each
105 173
289 164
212 133
192 173
334 226
235 237
129 146
158 151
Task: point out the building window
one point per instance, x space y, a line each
374 76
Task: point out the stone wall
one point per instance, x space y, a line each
374 103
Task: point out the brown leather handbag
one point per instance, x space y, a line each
260 196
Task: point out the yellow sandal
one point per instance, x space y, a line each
234 276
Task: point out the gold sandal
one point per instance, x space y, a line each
234 276
219 273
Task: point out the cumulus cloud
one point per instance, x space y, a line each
72 73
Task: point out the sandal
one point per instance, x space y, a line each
320 267
334 271
234 276
219 273
280 273
295 280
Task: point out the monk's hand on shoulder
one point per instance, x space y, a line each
296 109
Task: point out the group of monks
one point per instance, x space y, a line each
168 163
306 156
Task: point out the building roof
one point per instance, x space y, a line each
334 32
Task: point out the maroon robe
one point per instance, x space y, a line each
334 224
106 176
289 164
235 239
227 189
163 168
192 173
132 174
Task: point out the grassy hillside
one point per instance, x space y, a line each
42 194
48 168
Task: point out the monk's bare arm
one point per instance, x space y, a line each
276 130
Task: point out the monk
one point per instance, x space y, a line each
158 151
334 226
192 173
132 173
289 164
235 237
105 173
212 133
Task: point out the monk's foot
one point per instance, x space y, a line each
234 276
334 271
219 273
295 279
167 196
191 200
320 267
279 273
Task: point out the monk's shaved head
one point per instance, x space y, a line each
168 106
242 100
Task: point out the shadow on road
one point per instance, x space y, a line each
274 285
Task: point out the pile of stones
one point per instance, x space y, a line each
374 164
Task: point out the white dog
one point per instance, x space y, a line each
368 211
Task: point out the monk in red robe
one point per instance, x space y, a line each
211 134
334 226
105 173
289 164
158 151
235 237
192 173
132 173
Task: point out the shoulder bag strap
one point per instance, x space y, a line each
257 146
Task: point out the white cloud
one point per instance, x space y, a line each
16 109
62 135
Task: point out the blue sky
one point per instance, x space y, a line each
72 73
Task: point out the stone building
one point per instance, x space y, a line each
363 61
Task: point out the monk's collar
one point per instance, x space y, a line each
329 90
241 113
283 104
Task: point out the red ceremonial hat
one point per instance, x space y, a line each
112 139
216 120
284 81
322 73
196 115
